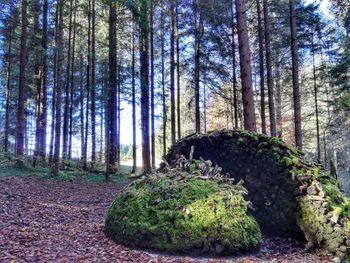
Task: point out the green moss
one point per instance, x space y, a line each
182 215
290 160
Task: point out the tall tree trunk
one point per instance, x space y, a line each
172 72
111 94
163 83
22 86
295 75
93 88
246 69
234 75
8 91
198 36
71 100
37 75
270 87
118 112
82 125
178 70
279 116
153 144
56 158
53 108
67 87
43 113
144 62
316 100
134 146
261 69
88 85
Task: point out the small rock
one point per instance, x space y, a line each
336 260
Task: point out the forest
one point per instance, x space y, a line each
175 131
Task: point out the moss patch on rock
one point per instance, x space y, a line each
180 212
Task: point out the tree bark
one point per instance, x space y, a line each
93 87
261 69
153 145
134 145
58 115
178 71
82 125
67 88
172 72
270 88
295 76
8 91
22 86
246 70
234 75
111 94
163 83
144 62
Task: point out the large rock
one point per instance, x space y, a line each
269 168
181 211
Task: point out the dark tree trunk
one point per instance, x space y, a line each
22 86
178 71
67 87
198 36
261 69
118 113
144 62
270 88
37 75
316 100
153 131
172 72
8 91
279 116
88 85
58 115
295 75
134 146
163 83
246 70
234 75
52 135
111 95
82 125
72 89
93 88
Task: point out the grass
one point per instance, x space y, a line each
8 168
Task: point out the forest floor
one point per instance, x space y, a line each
47 220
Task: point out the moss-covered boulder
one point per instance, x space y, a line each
179 211
292 196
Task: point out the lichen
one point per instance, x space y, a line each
182 215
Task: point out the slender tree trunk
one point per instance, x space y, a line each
163 83
234 75
56 159
246 70
88 85
198 36
279 118
22 86
178 71
134 146
37 75
82 125
172 72
270 87
111 94
8 92
316 100
295 75
118 113
144 62
67 87
52 137
261 69
72 85
93 88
